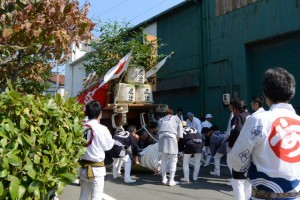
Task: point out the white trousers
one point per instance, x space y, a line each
117 164
217 160
164 165
241 188
91 189
228 163
186 165
208 155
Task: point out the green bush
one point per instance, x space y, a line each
40 143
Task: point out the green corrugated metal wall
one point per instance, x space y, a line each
179 80
211 52
227 41
281 52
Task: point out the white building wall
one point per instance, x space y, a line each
52 90
75 72
151 29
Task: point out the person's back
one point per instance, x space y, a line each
120 154
216 143
170 131
98 140
190 145
276 133
191 141
268 145
169 126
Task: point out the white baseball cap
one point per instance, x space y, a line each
208 116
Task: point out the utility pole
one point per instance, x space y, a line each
57 77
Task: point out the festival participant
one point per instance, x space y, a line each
207 122
217 148
257 104
268 145
92 171
193 122
170 130
240 185
190 145
119 153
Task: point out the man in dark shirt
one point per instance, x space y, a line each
241 186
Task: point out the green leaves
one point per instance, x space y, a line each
32 33
14 187
115 41
40 142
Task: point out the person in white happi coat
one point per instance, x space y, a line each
193 122
269 143
190 145
119 153
99 140
170 130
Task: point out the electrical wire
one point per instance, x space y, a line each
146 11
115 6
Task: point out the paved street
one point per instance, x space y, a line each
149 187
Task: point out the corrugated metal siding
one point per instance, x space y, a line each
178 81
229 34
185 99
181 32
283 52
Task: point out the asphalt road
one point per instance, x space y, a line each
149 187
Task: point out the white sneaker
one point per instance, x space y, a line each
165 181
214 173
129 181
185 180
205 165
76 181
195 179
116 176
173 183
229 181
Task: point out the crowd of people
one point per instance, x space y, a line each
262 148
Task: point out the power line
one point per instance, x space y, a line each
147 10
117 5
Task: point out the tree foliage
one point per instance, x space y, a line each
34 32
40 143
115 41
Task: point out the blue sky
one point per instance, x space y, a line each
133 11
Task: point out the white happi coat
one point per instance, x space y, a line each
196 124
269 148
99 140
170 129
